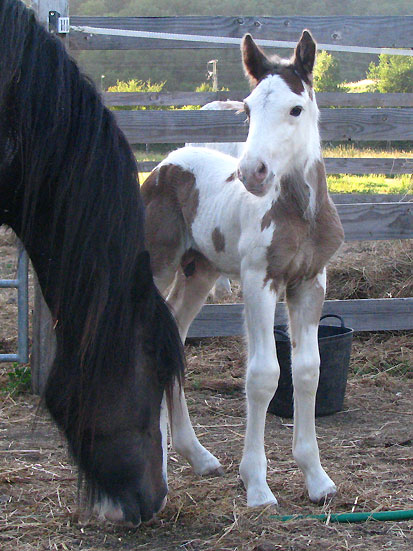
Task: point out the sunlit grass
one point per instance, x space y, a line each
370 183
353 150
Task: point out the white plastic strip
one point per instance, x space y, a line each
230 40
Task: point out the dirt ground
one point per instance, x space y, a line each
367 449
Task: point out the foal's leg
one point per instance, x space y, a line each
305 305
186 298
262 379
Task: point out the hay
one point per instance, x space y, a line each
365 269
372 270
367 449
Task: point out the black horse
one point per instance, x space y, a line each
69 190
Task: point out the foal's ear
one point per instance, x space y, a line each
304 57
256 63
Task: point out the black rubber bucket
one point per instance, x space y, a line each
335 349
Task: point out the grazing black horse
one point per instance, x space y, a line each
68 189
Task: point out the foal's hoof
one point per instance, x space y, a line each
213 471
207 465
219 471
325 497
261 498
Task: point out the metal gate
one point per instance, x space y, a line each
21 284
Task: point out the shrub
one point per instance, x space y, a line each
204 87
394 73
136 85
326 73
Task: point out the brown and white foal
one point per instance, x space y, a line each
268 220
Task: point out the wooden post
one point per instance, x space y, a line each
44 342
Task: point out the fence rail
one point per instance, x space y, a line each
227 320
324 99
349 124
345 165
378 32
21 284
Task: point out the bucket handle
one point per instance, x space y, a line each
334 316
287 336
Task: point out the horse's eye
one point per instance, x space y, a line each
296 111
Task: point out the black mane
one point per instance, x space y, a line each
70 168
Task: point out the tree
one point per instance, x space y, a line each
394 73
326 73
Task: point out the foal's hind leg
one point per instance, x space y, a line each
305 305
186 298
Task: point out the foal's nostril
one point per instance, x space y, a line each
261 171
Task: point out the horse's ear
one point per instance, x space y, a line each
304 57
256 63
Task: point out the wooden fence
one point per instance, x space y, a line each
344 117
364 217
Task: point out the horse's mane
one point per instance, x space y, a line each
78 167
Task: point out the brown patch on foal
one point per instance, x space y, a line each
218 240
232 177
171 200
290 76
302 242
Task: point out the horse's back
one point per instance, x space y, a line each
203 162
195 194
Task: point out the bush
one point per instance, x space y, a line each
326 73
135 85
394 73
204 87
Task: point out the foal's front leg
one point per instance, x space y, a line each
305 304
262 379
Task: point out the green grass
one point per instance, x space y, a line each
371 183
18 380
353 150
368 183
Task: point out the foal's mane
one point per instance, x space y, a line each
79 174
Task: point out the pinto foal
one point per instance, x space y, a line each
268 220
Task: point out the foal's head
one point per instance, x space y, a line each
282 112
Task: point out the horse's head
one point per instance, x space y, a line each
120 448
129 458
282 112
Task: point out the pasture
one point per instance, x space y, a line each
367 448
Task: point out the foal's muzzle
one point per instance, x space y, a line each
255 176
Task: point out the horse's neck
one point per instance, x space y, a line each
303 186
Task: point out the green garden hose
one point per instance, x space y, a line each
352 517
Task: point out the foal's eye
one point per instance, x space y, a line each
296 111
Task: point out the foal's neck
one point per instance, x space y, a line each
303 186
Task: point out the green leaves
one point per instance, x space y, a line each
394 73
